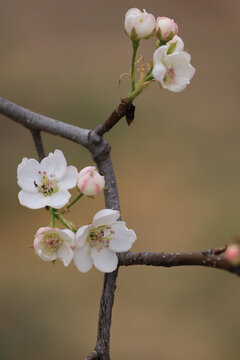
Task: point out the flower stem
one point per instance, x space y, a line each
75 200
52 217
135 45
65 222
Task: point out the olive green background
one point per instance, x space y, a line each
178 171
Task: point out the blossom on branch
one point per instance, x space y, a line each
173 71
46 183
52 243
139 25
90 182
99 242
166 28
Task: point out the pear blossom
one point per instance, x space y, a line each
139 25
90 182
177 42
99 242
173 71
166 28
233 254
46 183
52 243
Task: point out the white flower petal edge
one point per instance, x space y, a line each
98 242
46 184
52 243
105 217
178 70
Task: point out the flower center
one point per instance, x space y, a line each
49 185
52 242
98 239
169 75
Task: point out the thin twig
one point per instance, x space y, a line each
38 143
116 115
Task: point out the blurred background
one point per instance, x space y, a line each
178 171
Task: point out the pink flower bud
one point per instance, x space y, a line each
90 182
139 25
166 28
233 254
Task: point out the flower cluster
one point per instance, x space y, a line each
171 66
46 184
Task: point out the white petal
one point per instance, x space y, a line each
105 217
159 54
66 235
82 258
175 87
123 238
159 72
28 174
46 256
82 234
178 59
58 199
69 180
32 200
65 254
105 260
55 164
146 26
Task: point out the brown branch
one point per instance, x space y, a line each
125 108
178 259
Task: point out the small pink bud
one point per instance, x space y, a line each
233 254
166 28
90 182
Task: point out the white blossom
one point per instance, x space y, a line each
52 243
46 183
99 242
90 182
139 25
173 71
166 28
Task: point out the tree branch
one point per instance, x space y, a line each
177 259
125 108
100 151
36 122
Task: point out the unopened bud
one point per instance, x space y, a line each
90 182
233 254
166 28
139 25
